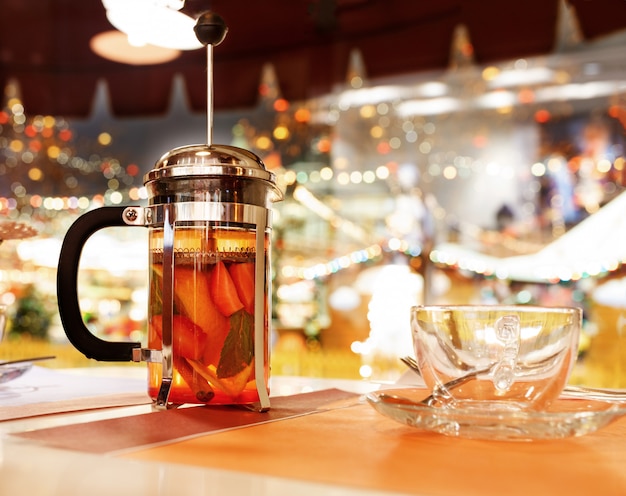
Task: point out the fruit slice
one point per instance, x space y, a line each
242 275
189 340
223 290
233 386
191 290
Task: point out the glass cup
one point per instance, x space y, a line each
512 358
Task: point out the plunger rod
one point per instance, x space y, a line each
210 30
209 94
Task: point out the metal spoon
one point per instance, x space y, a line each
26 360
576 392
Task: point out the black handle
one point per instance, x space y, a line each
67 292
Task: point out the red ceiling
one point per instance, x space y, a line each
44 44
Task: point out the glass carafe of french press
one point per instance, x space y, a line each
209 311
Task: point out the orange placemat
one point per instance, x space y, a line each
358 447
162 427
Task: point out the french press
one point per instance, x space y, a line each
209 222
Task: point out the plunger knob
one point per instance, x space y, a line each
210 29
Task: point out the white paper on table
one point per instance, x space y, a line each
41 385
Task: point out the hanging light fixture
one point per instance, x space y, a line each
114 45
153 22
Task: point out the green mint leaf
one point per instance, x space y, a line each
238 350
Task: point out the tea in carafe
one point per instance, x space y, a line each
213 314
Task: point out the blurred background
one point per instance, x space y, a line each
466 152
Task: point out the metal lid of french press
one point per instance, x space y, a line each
212 161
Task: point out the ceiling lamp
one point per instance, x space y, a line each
114 45
153 22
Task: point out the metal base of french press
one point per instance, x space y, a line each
169 406
253 407
256 407
162 401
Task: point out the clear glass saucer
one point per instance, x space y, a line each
11 372
565 418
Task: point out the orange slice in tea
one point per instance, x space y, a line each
223 290
189 339
191 290
233 386
242 275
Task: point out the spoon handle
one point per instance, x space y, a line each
25 360
591 393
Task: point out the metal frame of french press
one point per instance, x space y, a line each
166 216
